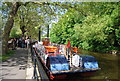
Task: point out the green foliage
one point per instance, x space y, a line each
92 26
7 56
15 32
10 52
35 15
64 29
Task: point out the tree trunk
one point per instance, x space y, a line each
8 26
39 37
23 30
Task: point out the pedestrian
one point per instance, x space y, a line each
20 42
17 42
28 42
23 43
68 48
13 44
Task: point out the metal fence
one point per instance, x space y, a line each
39 72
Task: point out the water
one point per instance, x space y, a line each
108 64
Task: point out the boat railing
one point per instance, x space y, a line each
39 73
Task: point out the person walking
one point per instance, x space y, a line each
68 48
28 42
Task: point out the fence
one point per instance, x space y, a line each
39 72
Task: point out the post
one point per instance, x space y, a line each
48 31
39 37
35 71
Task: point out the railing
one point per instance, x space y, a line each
39 72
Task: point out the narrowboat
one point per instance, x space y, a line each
59 62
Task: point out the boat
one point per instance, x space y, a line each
59 63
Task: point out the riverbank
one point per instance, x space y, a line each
114 52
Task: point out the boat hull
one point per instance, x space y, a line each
66 75
69 75
58 66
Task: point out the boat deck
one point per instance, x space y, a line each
74 70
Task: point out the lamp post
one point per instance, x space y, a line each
39 37
48 31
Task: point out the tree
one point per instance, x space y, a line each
92 26
14 6
64 29
9 25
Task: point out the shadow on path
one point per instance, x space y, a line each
15 67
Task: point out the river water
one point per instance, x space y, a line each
108 64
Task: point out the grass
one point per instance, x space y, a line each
7 56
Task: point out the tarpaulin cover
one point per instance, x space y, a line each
58 64
90 65
89 62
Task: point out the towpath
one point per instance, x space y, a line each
19 66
